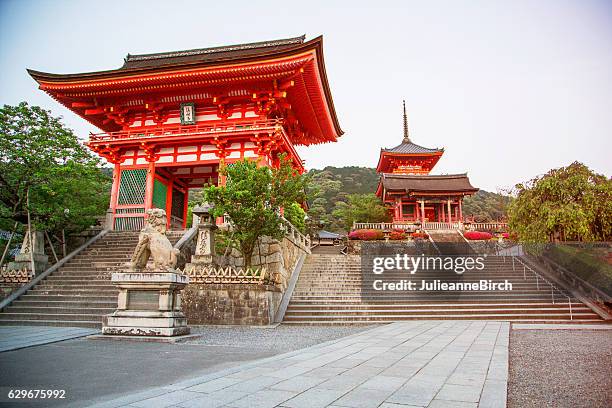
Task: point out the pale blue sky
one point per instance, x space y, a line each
509 88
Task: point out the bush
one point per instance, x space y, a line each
366 234
477 235
422 235
396 235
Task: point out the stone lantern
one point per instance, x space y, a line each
205 246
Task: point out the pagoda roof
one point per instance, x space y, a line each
407 147
407 150
455 183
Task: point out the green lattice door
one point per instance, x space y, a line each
129 212
159 195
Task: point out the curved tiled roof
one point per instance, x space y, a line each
227 52
411 148
429 183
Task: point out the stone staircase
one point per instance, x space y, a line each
329 291
79 293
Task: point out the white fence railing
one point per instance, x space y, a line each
487 226
442 225
385 225
477 226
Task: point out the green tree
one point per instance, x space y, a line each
42 158
569 203
296 215
361 208
252 198
485 206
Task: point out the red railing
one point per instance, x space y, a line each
187 130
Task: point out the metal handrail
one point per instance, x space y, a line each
538 276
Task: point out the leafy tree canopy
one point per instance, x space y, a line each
569 203
361 208
485 206
252 197
296 215
40 155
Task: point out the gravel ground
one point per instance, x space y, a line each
281 339
560 368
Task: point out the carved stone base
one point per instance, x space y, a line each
23 261
149 304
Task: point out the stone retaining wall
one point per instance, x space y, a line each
279 258
245 304
238 304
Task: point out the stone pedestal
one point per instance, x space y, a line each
149 304
35 250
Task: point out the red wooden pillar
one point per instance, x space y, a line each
450 214
185 207
222 179
115 192
423 211
460 210
401 210
148 204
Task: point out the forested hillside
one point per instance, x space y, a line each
330 189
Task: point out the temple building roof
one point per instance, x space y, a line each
407 147
223 53
447 183
291 72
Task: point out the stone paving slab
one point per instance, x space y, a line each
18 337
533 326
404 364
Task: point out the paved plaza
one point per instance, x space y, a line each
18 337
408 364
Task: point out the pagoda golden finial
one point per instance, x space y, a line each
406 135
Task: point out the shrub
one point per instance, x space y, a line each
397 235
477 235
422 235
366 234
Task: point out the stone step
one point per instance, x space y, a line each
78 280
66 286
420 305
47 310
51 298
4 316
53 323
66 303
445 311
424 302
507 297
74 292
372 321
439 316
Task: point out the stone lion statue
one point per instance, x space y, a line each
154 243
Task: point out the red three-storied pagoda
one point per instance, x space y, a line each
169 119
414 195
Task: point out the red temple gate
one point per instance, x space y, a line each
170 119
